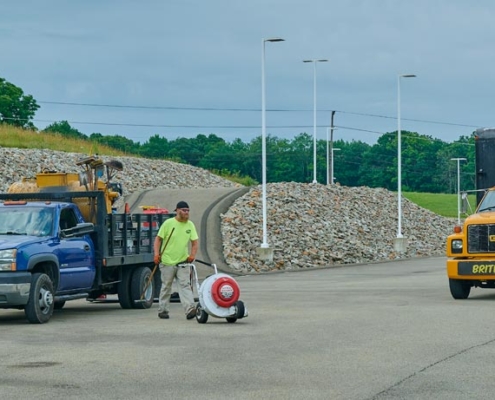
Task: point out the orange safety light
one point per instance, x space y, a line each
15 203
457 229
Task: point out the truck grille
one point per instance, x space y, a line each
478 238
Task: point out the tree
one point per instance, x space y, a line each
446 179
378 164
117 142
419 162
155 147
64 128
302 156
348 161
16 108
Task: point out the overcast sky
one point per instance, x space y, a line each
195 66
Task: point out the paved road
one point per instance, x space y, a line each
206 206
381 331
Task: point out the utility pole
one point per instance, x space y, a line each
330 151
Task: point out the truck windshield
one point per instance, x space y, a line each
34 221
488 202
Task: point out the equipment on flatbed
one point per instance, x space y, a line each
218 296
90 179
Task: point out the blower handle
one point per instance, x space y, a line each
208 264
204 262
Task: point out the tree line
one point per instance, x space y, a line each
426 162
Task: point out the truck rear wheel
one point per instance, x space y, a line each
40 306
124 289
139 282
459 289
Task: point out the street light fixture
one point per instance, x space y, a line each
458 187
264 244
400 243
314 61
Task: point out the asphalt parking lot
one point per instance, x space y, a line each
382 331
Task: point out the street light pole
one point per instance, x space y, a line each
400 243
314 61
264 244
458 187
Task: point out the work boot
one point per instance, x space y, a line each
191 313
163 315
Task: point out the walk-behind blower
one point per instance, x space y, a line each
218 296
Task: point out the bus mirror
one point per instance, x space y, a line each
464 202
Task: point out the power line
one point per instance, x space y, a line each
217 127
246 110
200 126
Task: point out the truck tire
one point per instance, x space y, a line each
40 306
139 281
459 289
124 289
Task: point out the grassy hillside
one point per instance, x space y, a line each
442 204
26 139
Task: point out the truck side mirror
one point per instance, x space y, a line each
82 229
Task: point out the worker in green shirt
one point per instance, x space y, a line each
171 248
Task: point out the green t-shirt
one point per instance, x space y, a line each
177 249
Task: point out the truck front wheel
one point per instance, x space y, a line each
459 289
40 306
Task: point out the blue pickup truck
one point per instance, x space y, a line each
50 254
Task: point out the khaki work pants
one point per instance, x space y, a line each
168 273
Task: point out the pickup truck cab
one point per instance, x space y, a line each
46 235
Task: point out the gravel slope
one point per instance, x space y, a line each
308 225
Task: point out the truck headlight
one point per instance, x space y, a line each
456 246
7 260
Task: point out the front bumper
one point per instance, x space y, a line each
14 289
479 270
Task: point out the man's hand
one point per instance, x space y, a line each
157 259
190 259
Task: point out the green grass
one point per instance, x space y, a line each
11 136
26 139
440 203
